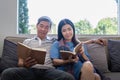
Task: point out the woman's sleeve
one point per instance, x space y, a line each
54 51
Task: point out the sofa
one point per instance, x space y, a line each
105 58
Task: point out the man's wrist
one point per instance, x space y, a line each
93 41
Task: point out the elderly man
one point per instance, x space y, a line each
29 69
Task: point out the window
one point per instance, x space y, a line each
98 17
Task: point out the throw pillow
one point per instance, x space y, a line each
114 54
98 56
9 56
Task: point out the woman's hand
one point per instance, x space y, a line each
76 59
71 59
29 62
81 50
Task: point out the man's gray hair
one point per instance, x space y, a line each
45 18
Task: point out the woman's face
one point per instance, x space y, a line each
67 32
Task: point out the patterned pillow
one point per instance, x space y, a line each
98 56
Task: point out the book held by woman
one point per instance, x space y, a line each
66 54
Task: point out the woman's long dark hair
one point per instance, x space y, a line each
61 24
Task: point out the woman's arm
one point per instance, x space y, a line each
81 51
85 57
58 62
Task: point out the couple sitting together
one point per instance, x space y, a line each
55 68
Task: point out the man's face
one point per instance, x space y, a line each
42 29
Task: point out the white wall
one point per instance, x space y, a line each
8 19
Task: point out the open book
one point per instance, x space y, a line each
66 54
25 51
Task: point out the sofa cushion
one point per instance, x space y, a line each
98 56
113 75
9 55
114 54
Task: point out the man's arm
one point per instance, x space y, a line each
98 41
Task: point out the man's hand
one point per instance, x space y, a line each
101 41
29 62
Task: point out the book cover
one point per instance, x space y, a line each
25 51
66 54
